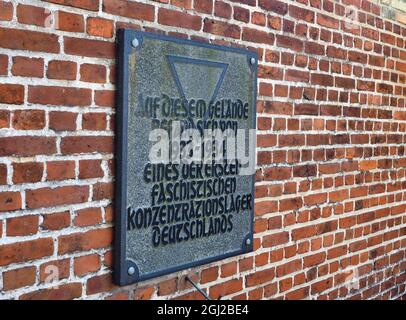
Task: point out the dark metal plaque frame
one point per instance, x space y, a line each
121 263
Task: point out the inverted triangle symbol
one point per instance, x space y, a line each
197 78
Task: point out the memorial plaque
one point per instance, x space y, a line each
186 117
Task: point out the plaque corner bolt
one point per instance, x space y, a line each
253 60
248 242
135 43
131 271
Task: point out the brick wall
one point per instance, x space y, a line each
330 217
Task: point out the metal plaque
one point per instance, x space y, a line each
178 203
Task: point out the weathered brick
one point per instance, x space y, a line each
179 19
221 28
28 40
48 197
27 172
86 144
19 278
85 241
26 146
100 27
61 292
32 15
71 22
65 96
11 94
89 48
28 67
26 251
86 264
129 9
28 119
22 226
62 70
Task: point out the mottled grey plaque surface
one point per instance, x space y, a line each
151 69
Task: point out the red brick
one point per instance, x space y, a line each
19 278
86 144
274 23
327 21
274 6
56 221
105 98
222 9
225 288
6 12
321 286
26 251
92 5
71 22
337 252
10 201
167 287
3 174
86 264
221 28
62 121
54 270
28 67
290 43
314 259
209 275
253 35
228 269
241 14
88 217
260 277
301 14
258 18
48 197
61 292
347 83
297 75
3 65
185 4
275 239
89 48
100 27
90 169
204 6
304 232
129 9
65 96
28 40
62 70
94 121
288 268
290 204
11 94
119 296
85 241
22 226
97 284
26 146
103 191
179 19
298 294
32 15
60 170
322 79
28 119
93 73
27 172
